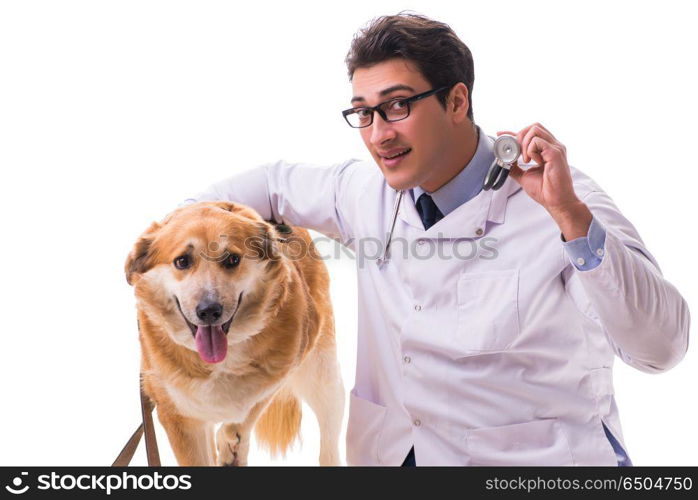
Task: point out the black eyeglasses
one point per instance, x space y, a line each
392 110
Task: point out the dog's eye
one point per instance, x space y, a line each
182 262
231 261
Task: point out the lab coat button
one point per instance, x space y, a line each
479 231
418 308
599 252
580 261
417 423
407 359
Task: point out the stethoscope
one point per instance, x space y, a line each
506 151
396 209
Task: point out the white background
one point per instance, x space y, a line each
111 113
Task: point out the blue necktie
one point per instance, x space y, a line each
428 211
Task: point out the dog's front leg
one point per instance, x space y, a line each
191 439
233 439
233 445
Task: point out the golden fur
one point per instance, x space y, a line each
280 342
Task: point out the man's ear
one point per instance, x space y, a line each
459 101
140 260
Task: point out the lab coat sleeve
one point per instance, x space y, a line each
643 315
311 196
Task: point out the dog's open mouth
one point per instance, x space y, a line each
211 342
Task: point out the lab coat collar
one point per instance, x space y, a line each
470 219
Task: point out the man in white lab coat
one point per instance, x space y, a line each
488 326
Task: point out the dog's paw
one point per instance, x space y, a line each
232 446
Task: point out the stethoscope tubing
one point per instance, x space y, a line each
496 176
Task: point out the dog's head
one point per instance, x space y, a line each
205 268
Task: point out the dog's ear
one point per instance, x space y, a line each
140 259
225 205
238 208
264 245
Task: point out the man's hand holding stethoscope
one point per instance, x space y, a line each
550 181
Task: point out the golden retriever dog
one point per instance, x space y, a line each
235 326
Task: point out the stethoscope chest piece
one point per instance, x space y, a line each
506 151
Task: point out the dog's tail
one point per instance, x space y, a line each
279 425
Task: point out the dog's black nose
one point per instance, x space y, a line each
209 312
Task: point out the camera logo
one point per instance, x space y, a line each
17 482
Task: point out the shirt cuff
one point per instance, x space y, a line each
587 252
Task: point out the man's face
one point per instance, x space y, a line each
422 135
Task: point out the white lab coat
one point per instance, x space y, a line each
504 358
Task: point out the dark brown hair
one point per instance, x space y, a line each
441 57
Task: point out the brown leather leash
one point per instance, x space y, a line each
147 427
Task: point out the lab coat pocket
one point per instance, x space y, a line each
539 442
364 430
488 313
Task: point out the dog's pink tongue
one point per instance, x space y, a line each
211 343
